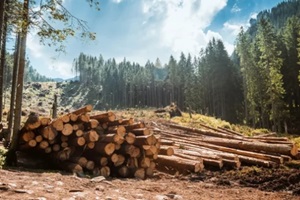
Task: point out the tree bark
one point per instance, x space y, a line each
20 82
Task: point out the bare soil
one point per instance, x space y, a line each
23 184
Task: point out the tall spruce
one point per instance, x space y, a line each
270 64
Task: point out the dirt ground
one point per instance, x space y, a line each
22 184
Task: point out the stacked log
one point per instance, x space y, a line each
97 144
219 147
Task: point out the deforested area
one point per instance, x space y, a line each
149 99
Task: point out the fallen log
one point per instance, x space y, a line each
180 164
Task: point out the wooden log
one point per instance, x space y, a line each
180 164
114 157
48 150
140 173
85 109
64 138
167 142
77 141
58 124
91 136
120 130
45 121
27 136
231 131
65 118
56 147
255 161
145 162
145 140
78 126
103 161
131 150
28 145
71 167
130 138
117 122
91 145
200 142
104 148
82 161
43 144
90 165
105 171
112 137
63 154
285 149
149 172
135 126
127 121
204 132
93 123
104 117
73 117
221 130
84 118
32 122
38 138
166 150
79 133
123 171
236 164
49 132
64 144
141 131
67 129
120 160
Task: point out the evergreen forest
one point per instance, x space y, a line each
257 85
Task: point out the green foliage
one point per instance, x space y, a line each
2 156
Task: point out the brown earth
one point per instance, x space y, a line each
22 184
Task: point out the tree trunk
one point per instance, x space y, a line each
19 93
13 88
3 26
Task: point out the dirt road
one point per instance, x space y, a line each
16 184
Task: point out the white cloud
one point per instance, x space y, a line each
62 68
42 58
235 8
234 29
182 22
117 1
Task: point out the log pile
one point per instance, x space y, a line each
97 144
219 148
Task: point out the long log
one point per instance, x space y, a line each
85 109
105 148
91 136
166 150
67 129
285 149
49 132
104 117
203 132
201 142
180 164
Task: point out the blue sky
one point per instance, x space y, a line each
142 30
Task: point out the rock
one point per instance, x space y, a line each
98 179
161 197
